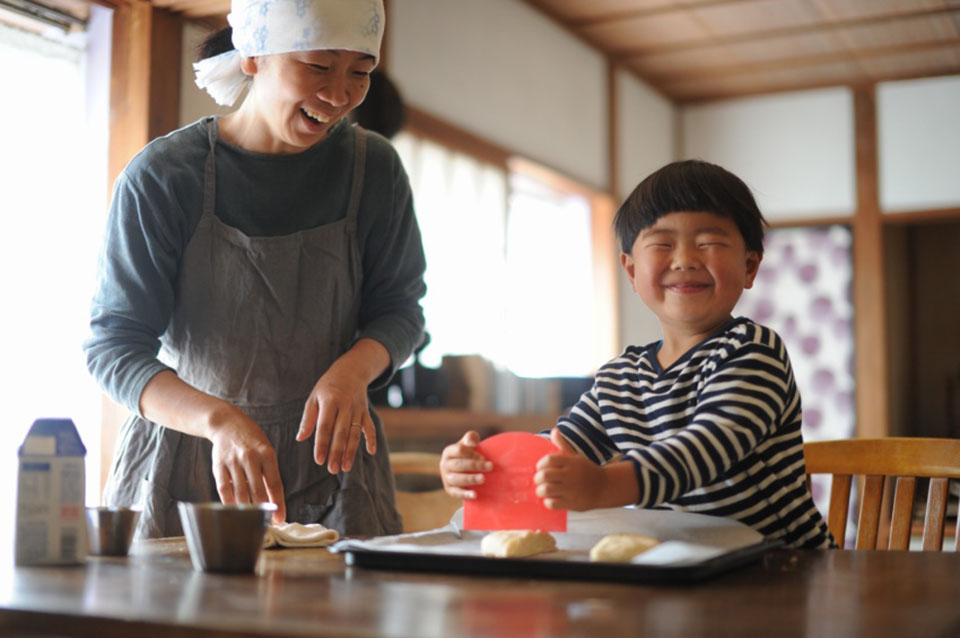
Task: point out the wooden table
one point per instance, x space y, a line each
311 592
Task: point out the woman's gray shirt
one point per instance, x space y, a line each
157 203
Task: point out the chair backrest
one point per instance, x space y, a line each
906 460
421 510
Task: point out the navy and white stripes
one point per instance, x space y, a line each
717 433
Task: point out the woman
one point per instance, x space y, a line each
272 257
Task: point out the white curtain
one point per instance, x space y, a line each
509 264
53 206
461 208
549 293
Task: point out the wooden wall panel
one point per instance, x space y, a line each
166 34
129 84
145 79
144 104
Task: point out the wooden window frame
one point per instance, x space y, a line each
605 255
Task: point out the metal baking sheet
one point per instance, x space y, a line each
693 547
560 569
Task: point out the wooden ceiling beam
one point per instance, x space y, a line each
691 96
926 216
788 63
625 55
647 12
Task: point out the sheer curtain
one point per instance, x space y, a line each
53 206
509 264
462 210
549 294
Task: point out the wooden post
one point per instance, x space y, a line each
144 79
144 104
613 132
606 249
872 399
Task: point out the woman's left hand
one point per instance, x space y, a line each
337 408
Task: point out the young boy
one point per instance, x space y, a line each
706 420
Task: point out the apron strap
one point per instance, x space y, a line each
359 166
210 170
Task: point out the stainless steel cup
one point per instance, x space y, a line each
225 538
110 530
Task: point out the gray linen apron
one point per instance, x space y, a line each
257 321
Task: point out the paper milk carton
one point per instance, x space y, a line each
51 528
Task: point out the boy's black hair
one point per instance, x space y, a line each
216 43
690 186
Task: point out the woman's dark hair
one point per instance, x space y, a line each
690 186
383 109
216 43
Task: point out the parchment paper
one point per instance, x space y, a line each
686 539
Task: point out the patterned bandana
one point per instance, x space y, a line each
267 27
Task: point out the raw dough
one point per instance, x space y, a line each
621 548
515 543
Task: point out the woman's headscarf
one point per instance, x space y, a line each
266 27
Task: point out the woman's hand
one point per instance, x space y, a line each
337 410
244 462
462 466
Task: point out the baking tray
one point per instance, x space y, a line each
693 547
569 569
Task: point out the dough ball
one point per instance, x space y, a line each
621 548
515 543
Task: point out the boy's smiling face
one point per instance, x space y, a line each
690 268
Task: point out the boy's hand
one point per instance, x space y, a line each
461 466
568 480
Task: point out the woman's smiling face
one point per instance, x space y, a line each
690 269
300 96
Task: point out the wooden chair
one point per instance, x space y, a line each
906 459
422 510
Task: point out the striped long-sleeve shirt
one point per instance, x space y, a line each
718 432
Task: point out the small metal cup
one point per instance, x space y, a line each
225 538
110 530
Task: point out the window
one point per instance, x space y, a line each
53 123
461 207
511 264
548 296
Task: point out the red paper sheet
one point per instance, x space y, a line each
507 498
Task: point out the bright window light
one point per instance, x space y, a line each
509 264
53 203
549 293
461 209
